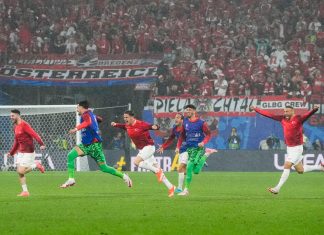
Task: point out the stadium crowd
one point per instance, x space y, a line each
211 47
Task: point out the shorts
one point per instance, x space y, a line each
26 159
147 152
195 154
94 151
294 154
183 158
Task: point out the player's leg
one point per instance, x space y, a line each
24 166
294 157
300 168
96 152
144 154
77 151
183 160
189 171
200 157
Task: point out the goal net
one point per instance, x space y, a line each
52 123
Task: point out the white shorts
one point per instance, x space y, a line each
147 152
26 159
183 158
294 154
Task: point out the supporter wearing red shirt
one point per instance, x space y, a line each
103 45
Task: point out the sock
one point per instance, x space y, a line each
308 168
72 155
189 174
181 177
166 182
197 168
147 166
283 178
110 170
24 187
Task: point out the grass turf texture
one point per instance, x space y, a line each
219 203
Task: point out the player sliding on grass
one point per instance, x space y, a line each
196 134
139 133
23 144
183 154
91 146
293 134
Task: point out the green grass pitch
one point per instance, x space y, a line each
219 203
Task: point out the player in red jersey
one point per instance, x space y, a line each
293 134
138 132
24 146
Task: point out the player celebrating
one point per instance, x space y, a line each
139 133
196 134
293 134
183 155
24 146
91 145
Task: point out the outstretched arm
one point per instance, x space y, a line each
119 125
266 113
307 115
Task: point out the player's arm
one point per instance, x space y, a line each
180 140
14 147
167 143
307 115
118 125
207 133
266 113
148 126
86 122
30 131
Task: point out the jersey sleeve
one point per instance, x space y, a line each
207 133
121 126
268 114
168 142
28 129
86 122
307 115
181 138
14 147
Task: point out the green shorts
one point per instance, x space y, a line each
195 154
93 150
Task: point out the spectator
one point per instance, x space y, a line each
91 48
220 85
234 140
317 145
117 143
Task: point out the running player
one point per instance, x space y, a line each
293 134
24 146
91 145
138 132
183 155
196 134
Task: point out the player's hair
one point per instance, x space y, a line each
84 104
15 111
190 106
289 107
130 113
181 115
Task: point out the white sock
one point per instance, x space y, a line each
284 177
147 166
308 168
71 179
24 187
166 182
181 177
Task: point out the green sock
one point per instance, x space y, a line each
107 169
190 167
72 155
200 165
